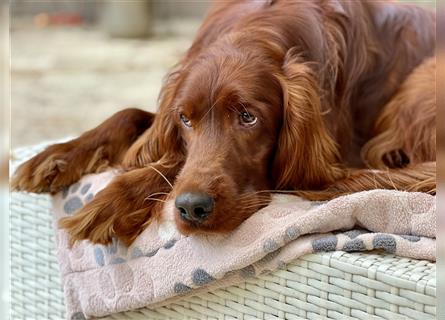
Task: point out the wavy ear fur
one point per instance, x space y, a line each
306 155
161 143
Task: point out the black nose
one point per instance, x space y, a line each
194 206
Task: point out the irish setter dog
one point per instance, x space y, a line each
320 98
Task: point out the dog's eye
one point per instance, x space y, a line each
247 119
185 120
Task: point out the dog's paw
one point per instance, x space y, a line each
93 222
121 210
58 166
396 159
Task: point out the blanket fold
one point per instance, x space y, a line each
162 265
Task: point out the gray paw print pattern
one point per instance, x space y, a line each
180 288
354 245
355 233
78 316
199 277
291 233
328 243
76 197
386 242
362 240
116 252
411 238
379 241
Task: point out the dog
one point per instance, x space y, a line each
317 98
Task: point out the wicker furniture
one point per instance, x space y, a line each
334 285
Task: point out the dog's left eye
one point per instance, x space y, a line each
186 121
247 119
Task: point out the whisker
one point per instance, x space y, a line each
234 108
374 178
389 177
270 191
253 200
255 206
283 191
257 198
263 191
160 173
210 108
253 195
158 193
155 199
246 201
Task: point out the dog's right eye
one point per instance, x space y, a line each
247 119
186 121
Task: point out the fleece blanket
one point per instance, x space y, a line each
162 265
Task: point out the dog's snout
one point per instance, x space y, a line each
194 206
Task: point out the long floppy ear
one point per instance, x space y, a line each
306 155
160 143
155 159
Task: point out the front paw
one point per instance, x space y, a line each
121 209
93 222
57 167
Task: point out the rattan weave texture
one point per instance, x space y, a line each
334 285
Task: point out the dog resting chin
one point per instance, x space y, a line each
318 98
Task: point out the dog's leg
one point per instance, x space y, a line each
405 132
62 164
414 178
125 207
402 153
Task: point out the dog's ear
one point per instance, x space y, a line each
306 155
162 142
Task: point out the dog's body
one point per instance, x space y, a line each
320 97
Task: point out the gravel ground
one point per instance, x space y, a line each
67 80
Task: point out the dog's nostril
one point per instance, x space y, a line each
200 213
182 211
194 206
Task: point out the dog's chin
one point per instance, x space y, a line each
185 228
188 228
210 226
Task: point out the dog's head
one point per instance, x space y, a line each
242 116
245 125
228 111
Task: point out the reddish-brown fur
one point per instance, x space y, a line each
343 92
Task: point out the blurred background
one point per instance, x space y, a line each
75 63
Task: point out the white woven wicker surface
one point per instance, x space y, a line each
36 287
335 285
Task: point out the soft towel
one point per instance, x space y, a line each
161 265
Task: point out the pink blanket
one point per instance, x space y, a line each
161 264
